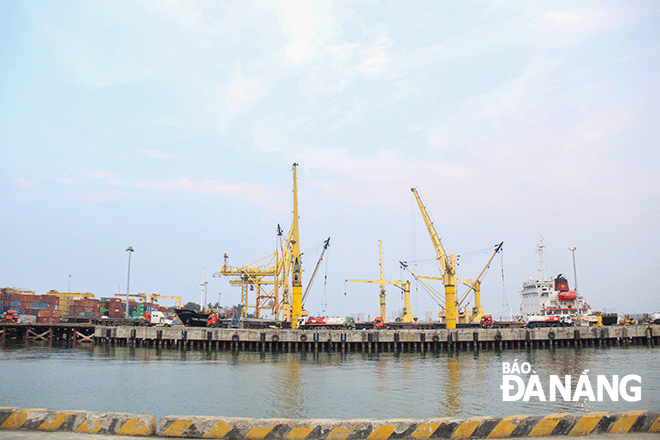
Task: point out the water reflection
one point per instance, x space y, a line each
344 385
451 404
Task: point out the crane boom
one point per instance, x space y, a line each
440 253
447 266
476 285
421 280
311 280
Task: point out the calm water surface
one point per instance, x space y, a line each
305 385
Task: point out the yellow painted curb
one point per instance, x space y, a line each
325 429
478 427
77 421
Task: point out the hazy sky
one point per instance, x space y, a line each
172 127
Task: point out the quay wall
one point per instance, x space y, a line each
15 419
378 340
287 340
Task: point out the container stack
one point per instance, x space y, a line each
53 307
115 309
85 308
26 303
48 316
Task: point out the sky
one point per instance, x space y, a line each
172 127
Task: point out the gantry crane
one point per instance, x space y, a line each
407 315
253 277
283 271
154 298
447 266
142 296
71 295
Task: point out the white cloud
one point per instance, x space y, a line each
158 155
240 94
267 197
23 183
65 180
189 14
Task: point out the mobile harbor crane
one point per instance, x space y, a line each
407 315
447 266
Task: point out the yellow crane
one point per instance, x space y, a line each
71 295
296 267
154 298
253 278
447 265
477 312
407 315
282 271
142 296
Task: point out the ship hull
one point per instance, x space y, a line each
192 318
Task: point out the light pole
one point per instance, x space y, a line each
130 250
69 284
577 303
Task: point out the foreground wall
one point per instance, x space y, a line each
276 429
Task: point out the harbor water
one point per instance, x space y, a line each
331 385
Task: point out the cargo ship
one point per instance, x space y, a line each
550 301
192 318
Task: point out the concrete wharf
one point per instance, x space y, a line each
286 340
408 340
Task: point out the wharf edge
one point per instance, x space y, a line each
283 340
569 424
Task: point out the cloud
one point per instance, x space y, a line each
241 92
189 14
158 155
65 180
265 196
23 183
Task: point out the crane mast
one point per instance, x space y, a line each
447 266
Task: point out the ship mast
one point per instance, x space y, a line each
539 249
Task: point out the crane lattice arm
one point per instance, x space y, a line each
311 280
440 254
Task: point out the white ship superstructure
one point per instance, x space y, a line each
550 300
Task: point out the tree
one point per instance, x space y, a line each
191 305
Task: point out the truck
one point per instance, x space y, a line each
549 321
487 322
10 316
311 322
158 318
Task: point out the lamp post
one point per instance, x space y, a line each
69 284
577 303
130 250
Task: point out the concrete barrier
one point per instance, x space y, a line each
326 429
478 427
78 421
